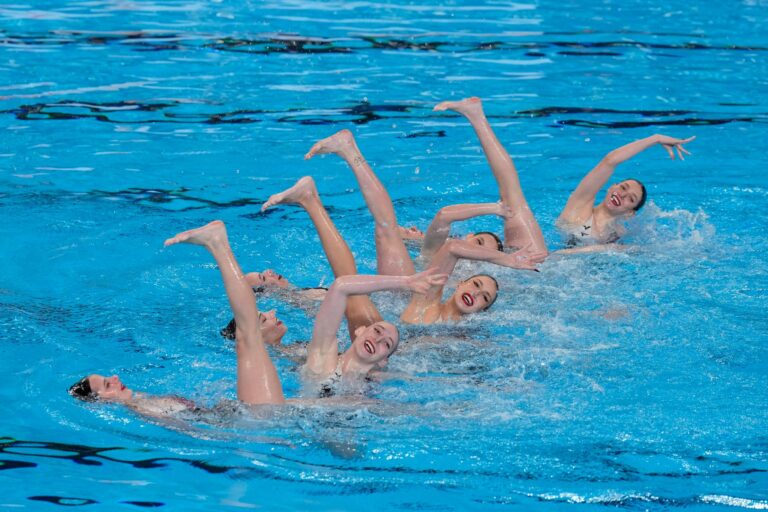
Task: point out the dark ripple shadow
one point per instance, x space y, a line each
99 456
125 112
296 43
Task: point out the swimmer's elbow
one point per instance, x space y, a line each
611 160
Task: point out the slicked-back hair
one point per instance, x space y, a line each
82 390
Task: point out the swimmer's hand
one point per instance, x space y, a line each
504 211
524 259
671 143
422 282
410 233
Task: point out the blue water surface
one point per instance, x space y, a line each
624 379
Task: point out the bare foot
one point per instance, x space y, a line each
466 107
336 143
206 235
297 194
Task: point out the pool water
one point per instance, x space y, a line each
634 380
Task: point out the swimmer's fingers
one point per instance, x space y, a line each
537 257
505 211
423 281
514 260
681 150
525 260
410 233
671 144
526 263
438 279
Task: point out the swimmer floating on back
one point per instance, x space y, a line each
257 379
582 221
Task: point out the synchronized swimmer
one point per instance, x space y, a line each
374 340
257 379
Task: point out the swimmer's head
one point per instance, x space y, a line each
486 239
376 342
267 279
94 387
477 293
272 329
82 390
625 198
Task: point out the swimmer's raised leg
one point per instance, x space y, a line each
391 254
360 310
520 229
257 380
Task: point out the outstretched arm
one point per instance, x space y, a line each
323 350
440 227
589 249
425 307
585 193
446 258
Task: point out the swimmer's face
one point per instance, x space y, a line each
272 329
475 294
375 343
623 197
484 240
268 278
109 388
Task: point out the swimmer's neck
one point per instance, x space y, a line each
603 218
449 311
352 367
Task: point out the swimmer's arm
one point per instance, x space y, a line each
455 249
589 249
422 308
440 227
585 194
324 348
